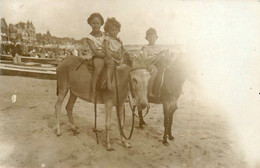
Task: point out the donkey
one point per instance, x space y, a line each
174 77
76 79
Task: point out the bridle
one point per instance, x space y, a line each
133 106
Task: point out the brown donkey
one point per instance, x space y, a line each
77 81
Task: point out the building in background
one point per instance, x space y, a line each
4 31
23 32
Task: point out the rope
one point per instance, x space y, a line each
81 64
95 124
118 115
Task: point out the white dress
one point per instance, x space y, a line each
114 44
98 42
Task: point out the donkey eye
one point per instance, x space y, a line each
134 80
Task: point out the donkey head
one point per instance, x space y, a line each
139 78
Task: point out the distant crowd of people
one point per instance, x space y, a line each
16 49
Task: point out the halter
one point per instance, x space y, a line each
133 106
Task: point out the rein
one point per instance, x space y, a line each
95 124
118 115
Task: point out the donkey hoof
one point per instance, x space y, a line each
109 148
165 143
74 129
58 133
171 138
75 132
143 123
127 145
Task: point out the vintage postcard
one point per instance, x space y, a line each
130 84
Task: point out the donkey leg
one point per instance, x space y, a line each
69 108
125 143
108 108
61 96
166 123
122 115
172 109
99 65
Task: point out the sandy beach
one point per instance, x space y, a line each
27 138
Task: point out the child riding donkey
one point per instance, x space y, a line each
95 40
153 52
113 47
106 48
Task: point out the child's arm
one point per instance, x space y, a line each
94 49
118 55
108 53
123 53
144 54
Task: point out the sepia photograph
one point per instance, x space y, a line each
130 84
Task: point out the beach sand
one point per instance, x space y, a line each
27 138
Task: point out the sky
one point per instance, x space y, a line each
220 39
69 18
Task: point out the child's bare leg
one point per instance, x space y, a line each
154 72
109 77
99 65
159 81
110 70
